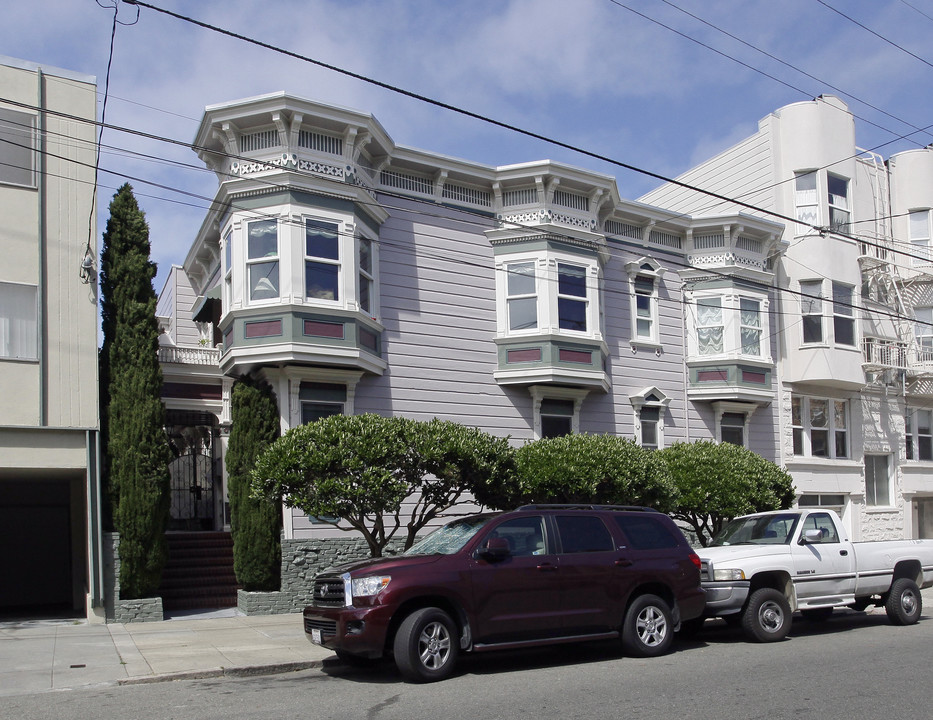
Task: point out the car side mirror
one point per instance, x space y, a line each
495 549
810 536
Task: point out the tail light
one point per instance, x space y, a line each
695 559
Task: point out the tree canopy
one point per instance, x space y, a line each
585 468
255 523
378 474
132 415
719 481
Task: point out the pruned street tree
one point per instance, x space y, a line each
137 449
255 523
589 468
377 475
719 481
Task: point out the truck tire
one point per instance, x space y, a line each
767 616
426 645
647 630
903 603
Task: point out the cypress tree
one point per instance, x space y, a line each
137 448
254 522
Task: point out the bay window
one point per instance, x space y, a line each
920 235
522 298
820 427
918 425
843 315
811 310
838 190
263 259
571 297
322 260
710 326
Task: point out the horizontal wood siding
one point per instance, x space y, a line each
745 170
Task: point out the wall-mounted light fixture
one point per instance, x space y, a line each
88 273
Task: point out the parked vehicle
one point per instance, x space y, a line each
539 575
761 568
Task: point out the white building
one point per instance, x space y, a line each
855 313
49 477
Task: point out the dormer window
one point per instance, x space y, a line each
263 259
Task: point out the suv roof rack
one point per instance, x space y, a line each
586 506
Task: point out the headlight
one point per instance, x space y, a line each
728 574
367 586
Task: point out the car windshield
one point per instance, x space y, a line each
757 530
449 539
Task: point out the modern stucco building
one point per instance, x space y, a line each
854 311
49 478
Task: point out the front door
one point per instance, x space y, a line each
825 569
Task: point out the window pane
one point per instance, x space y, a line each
17 148
920 225
523 313
311 411
819 415
819 443
264 280
842 446
751 341
812 329
709 312
555 426
366 256
583 533
844 330
321 240
521 279
365 290
263 241
19 325
798 441
571 314
571 280
925 448
321 281
710 340
750 313
796 411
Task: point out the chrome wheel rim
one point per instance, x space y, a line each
651 626
434 645
770 616
909 602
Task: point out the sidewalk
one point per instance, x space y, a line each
60 654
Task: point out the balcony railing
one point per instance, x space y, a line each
881 353
188 355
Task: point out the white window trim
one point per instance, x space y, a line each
912 432
848 315
831 429
921 246
546 287
28 332
640 400
721 407
888 503
373 274
242 260
731 307
542 392
846 207
292 377
806 297
807 199
647 268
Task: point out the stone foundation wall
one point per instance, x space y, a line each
115 609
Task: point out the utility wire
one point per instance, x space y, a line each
877 35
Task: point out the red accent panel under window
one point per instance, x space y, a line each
324 329
190 391
576 356
266 328
754 377
530 355
712 376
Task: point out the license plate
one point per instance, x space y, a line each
316 636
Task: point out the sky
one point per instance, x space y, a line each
657 84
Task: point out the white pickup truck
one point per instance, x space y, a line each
761 568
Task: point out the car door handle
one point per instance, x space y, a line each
623 562
547 567
843 552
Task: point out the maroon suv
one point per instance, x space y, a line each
538 575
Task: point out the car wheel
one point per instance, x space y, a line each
767 617
903 604
426 645
647 630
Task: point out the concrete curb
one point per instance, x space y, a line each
245 671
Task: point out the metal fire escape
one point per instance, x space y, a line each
892 357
